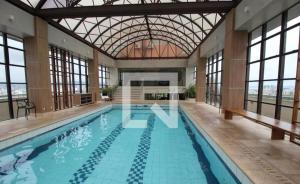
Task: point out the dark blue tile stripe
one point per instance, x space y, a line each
81 175
136 172
203 161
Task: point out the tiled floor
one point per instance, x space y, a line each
246 143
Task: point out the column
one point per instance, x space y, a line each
234 70
93 72
201 80
37 66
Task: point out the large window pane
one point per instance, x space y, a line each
82 70
83 79
255 52
17 74
220 66
21 111
76 69
16 57
83 88
77 88
3 92
269 91
252 106
18 91
268 110
14 42
256 35
274 26
272 46
292 39
1 38
252 91
2 60
4 112
76 79
2 73
254 71
75 61
288 92
271 69
290 66
286 114
293 16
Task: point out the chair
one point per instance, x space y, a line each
27 105
106 98
21 104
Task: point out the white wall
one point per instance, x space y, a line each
114 78
152 63
189 76
192 61
22 24
63 40
214 43
259 12
106 61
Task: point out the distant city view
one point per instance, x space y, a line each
17 90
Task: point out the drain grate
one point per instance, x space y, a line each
267 167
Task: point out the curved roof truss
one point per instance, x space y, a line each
154 30
140 39
184 23
156 37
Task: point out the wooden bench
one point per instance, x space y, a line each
279 128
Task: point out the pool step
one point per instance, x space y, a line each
136 93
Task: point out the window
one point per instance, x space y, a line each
214 79
272 65
13 83
195 75
104 76
68 76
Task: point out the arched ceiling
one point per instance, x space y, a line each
111 34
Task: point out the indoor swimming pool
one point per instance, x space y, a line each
98 149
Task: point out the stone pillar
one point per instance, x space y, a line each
201 80
93 72
37 66
234 70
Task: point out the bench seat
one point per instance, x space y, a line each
279 128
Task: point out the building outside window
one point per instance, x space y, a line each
104 76
272 64
13 83
214 70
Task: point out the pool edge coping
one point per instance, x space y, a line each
39 130
226 158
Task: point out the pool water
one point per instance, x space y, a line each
97 149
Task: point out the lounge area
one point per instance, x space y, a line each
150 92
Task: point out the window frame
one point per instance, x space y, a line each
279 104
7 65
213 72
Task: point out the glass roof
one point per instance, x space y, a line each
113 34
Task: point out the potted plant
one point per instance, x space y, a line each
190 92
109 91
